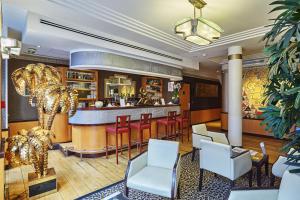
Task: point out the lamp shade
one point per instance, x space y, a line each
198 30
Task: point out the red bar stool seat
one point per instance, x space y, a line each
184 119
169 121
143 124
122 126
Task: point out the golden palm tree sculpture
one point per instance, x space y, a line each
30 147
43 83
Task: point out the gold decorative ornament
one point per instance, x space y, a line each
43 84
145 97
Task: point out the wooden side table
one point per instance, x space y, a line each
258 161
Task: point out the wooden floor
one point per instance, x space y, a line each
76 177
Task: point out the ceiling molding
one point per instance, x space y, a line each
98 11
236 37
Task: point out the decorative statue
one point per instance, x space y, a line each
43 84
145 97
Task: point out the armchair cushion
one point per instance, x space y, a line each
162 153
268 194
155 180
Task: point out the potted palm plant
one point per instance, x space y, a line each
282 103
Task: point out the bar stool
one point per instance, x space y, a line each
184 119
121 126
143 124
170 120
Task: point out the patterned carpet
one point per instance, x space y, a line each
214 188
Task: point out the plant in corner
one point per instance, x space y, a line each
282 103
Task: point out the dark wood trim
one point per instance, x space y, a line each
207 108
208 121
4 129
20 121
245 117
174 177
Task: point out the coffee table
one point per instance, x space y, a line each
116 196
259 160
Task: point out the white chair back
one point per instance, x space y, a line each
162 153
289 186
215 157
200 129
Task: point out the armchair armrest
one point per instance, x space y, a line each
136 164
241 164
175 176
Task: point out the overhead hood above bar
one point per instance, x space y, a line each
94 59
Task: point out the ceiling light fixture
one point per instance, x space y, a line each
198 30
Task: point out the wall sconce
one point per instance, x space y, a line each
10 46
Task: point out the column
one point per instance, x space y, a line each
235 95
225 88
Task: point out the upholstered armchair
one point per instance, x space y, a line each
156 171
279 167
220 159
288 189
200 132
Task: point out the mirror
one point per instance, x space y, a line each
119 86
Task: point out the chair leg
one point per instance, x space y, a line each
156 130
106 145
250 173
126 191
117 159
121 143
167 131
129 144
181 132
141 142
272 181
188 131
178 191
193 153
232 183
201 179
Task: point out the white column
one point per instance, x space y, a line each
235 95
225 89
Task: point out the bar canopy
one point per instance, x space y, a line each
94 59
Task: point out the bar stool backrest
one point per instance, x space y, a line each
123 121
146 118
172 115
185 114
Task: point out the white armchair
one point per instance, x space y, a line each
219 158
279 167
200 132
288 189
156 171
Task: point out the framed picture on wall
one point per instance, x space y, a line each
170 86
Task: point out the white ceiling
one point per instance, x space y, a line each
149 23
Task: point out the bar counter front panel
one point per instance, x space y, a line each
88 125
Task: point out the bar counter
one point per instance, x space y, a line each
88 125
